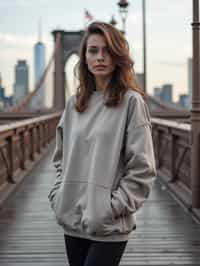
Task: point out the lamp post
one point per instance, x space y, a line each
144 43
113 21
195 111
123 10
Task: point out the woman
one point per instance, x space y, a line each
104 152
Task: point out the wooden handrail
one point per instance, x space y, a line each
26 122
22 143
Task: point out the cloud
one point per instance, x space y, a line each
19 3
172 64
13 40
16 40
13 54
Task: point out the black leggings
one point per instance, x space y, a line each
85 252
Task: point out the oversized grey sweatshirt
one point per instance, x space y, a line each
105 167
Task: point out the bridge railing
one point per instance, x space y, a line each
172 144
21 144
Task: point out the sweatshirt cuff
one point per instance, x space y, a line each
116 204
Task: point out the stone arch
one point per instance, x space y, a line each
68 43
71 81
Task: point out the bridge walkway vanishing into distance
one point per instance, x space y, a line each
165 235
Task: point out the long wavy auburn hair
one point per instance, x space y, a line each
123 77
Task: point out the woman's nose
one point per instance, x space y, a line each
100 55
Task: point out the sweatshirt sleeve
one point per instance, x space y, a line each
140 170
58 156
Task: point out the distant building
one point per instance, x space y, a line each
184 100
190 83
2 90
157 92
39 67
166 93
21 85
2 94
8 101
0 79
4 100
140 80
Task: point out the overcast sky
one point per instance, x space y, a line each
169 34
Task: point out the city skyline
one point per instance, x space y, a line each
21 84
167 50
39 67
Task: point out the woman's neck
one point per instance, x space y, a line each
101 82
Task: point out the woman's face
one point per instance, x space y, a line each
98 58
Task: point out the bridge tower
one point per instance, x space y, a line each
66 44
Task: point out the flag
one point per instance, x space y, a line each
88 15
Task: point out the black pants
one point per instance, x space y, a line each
85 252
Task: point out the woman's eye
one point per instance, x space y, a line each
106 51
92 51
95 51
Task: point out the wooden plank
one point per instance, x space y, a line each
165 234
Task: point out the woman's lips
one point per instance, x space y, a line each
100 67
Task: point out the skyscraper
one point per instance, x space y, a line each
183 100
140 79
1 94
157 92
1 88
166 93
39 67
21 85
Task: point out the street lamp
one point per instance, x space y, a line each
113 21
195 111
123 10
144 43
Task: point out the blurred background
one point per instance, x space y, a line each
26 42
39 42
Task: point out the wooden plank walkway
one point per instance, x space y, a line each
29 235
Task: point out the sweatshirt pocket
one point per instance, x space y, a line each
86 207
55 204
98 217
67 213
